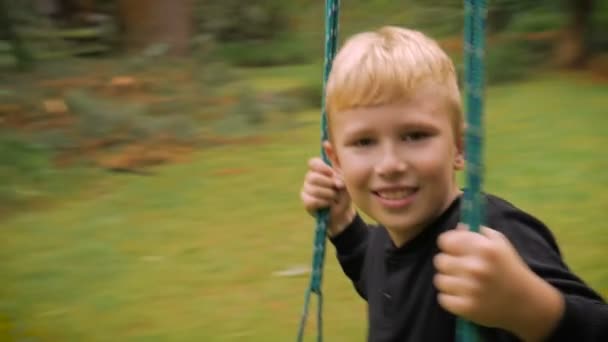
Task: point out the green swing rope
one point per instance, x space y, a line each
472 207
331 37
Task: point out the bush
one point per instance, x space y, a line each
309 93
599 39
514 60
104 119
236 20
24 169
281 51
536 21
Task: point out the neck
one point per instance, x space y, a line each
401 238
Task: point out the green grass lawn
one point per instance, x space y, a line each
188 254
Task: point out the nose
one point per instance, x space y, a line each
390 163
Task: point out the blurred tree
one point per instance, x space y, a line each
157 22
70 10
8 31
572 49
237 20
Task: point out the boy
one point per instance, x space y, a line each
396 127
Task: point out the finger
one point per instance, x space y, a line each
312 204
322 180
339 182
454 242
457 286
499 246
318 165
326 194
342 196
341 204
473 268
446 264
320 192
319 179
460 242
462 226
492 234
457 305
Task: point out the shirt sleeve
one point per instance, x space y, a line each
351 248
585 318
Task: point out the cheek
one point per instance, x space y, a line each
434 165
355 170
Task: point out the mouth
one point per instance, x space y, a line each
396 197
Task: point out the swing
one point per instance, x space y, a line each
472 211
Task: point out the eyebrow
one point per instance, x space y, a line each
410 124
417 124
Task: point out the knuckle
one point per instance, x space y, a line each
305 189
316 178
311 175
443 241
439 261
475 290
489 251
437 281
479 270
443 301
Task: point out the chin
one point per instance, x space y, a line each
399 225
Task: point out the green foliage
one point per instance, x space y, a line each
27 172
214 75
514 60
235 20
100 119
252 33
283 50
599 39
22 162
539 20
517 57
310 92
248 106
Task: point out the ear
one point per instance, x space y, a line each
459 158
330 151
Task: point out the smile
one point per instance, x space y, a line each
396 198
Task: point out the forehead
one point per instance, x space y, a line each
424 109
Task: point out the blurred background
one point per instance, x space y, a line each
152 153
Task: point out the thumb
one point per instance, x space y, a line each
342 202
339 182
343 197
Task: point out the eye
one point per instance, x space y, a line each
415 136
363 142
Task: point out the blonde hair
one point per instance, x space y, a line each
388 66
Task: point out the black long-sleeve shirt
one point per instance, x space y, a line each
402 301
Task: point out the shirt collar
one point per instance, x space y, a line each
445 221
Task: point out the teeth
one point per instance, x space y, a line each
394 194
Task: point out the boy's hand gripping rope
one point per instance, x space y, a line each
331 37
472 207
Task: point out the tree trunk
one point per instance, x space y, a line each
157 22
571 50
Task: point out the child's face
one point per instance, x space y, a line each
398 162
